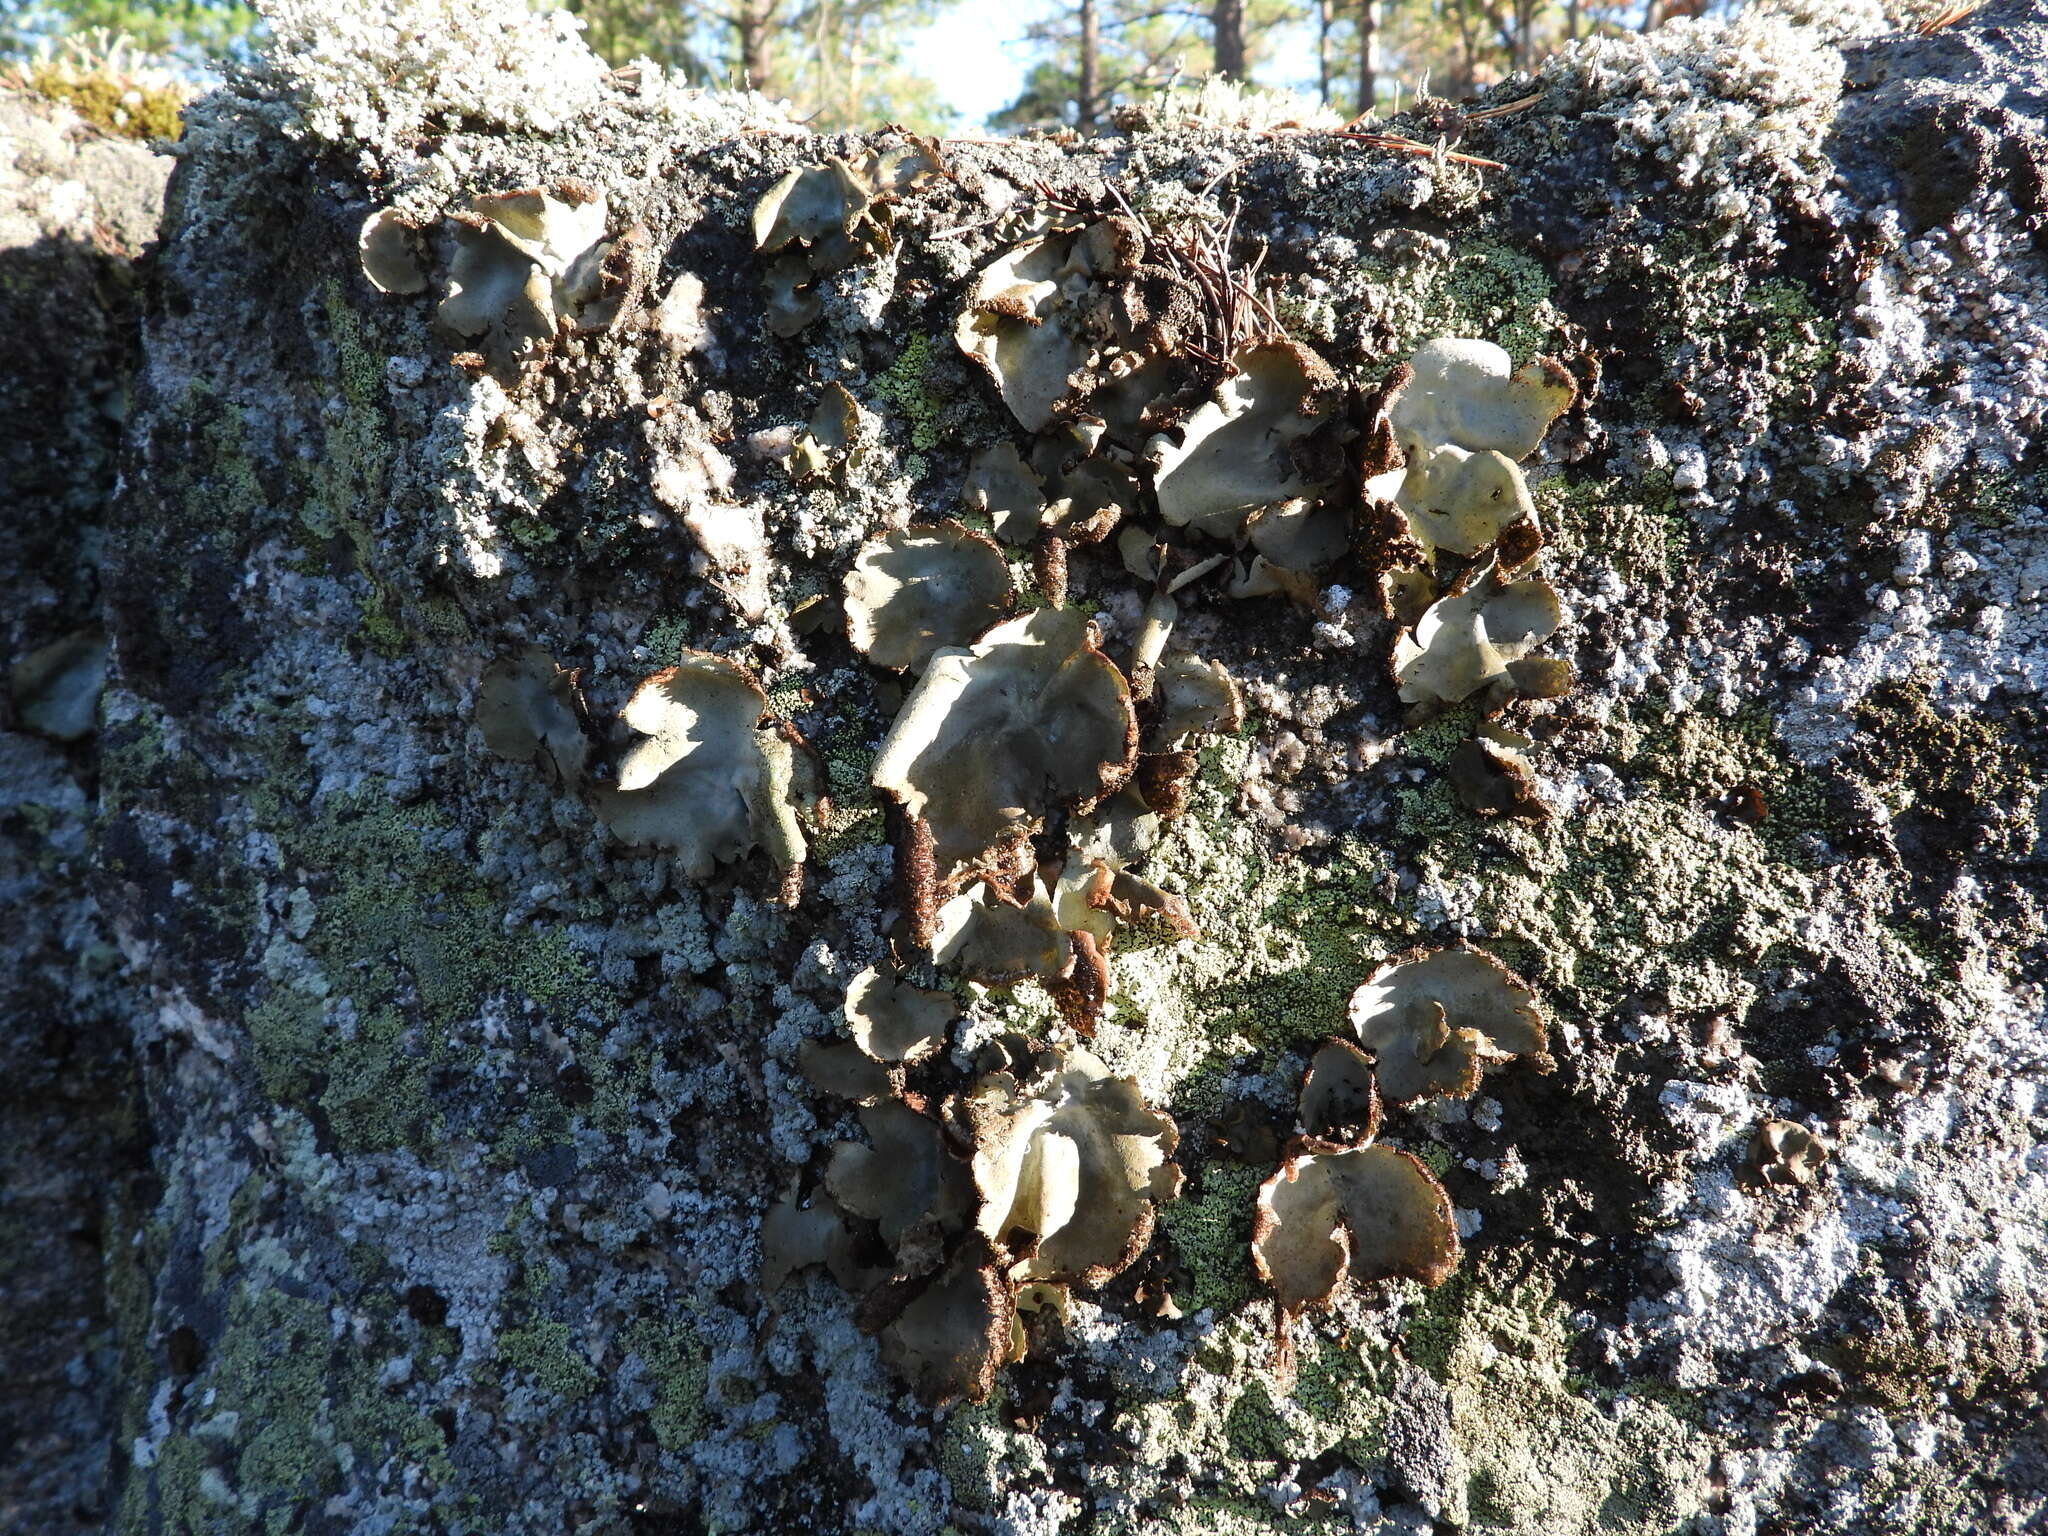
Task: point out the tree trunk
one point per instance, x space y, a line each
1323 20
500 973
1088 97
1226 21
1368 56
755 24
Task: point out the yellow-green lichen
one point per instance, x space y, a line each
147 105
545 1353
678 1367
400 926
290 1403
1633 527
909 386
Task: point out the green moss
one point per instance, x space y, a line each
1707 320
1955 766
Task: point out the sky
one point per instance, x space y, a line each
977 56
987 36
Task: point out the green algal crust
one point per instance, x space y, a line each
1234 1426
351 476
1956 767
1652 893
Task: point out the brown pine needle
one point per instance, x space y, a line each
1506 109
1408 146
1949 17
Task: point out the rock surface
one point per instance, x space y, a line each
76 208
462 1115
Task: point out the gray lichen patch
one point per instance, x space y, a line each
509 1101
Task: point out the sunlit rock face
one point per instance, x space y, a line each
1029 614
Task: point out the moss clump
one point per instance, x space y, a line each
1710 321
131 104
667 638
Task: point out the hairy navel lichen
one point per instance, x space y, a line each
1435 1021
708 779
1031 717
917 590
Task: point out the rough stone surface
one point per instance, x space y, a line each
461 1116
76 209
